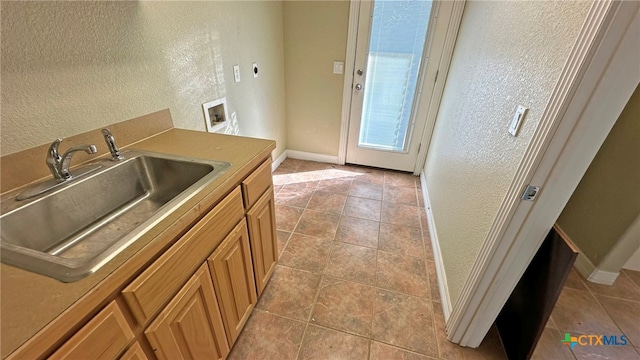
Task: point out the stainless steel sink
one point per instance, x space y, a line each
77 227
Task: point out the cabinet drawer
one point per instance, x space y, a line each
104 337
148 293
256 184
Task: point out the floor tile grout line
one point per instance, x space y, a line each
633 283
625 272
609 315
595 297
613 297
356 281
286 244
371 339
322 275
375 285
304 335
290 235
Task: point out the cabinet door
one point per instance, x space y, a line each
103 337
262 237
190 327
233 280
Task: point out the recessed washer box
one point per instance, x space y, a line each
215 114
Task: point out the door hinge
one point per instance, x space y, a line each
530 193
436 79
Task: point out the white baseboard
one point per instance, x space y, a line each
603 277
276 162
634 262
445 298
584 266
301 155
590 272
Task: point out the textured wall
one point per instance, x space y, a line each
507 53
69 67
315 34
607 200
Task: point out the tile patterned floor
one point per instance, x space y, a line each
356 279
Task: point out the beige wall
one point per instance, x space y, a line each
69 67
607 200
507 53
315 34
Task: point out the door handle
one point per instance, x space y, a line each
358 87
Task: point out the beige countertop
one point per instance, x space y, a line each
29 301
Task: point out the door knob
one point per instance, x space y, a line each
360 72
358 87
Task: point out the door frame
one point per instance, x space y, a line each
596 82
454 20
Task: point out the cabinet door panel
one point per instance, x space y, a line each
190 327
233 280
104 337
262 236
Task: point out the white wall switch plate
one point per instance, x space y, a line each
516 122
236 73
255 70
338 67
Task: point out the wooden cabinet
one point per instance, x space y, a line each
263 239
104 337
190 327
232 271
147 294
135 352
194 299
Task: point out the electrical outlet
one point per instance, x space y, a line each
338 67
236 73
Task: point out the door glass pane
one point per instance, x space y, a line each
398 32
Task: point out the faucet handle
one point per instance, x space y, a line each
111 144
53 148
54 160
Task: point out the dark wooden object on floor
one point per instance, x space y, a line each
526 312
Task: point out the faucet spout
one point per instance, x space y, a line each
66 158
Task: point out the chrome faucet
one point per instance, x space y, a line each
111 143
59 165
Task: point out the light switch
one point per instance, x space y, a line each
236 73
516 122
338 67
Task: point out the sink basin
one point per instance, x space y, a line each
74 229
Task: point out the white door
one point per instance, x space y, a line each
394 71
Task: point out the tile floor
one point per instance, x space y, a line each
356 278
